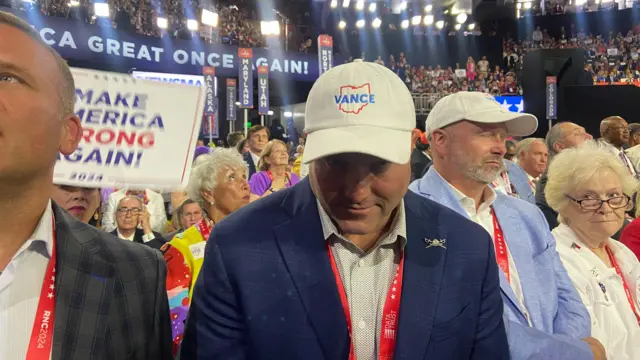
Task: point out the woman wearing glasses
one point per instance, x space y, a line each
590 188
218 183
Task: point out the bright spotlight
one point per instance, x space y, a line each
238 103
162 23
416 20
471 26
342 24
404 24
360 24
270 112
209 18
457 26
360 5
101 9
345 3
372 7
428 8
270 27
527 5
334 4
288 114
461 18
403 5
376 23
519 6
74 3
440 24
192 25
428 20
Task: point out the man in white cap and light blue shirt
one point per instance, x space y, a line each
348 264
544 316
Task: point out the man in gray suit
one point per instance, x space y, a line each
67 290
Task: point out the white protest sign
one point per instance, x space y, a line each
136 133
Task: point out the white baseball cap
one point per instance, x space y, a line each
360 107
481 108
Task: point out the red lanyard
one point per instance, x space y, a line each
624 283
389 329
507 184
204 228
286 180
501 247
42 333
144 199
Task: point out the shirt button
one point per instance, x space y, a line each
362 325
361 263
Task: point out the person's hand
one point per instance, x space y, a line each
596 348
144 221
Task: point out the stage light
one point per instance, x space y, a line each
457 26
428 8
101 9
440 24
345 3
428 20
162 23
192 25
527 5
334 4
416 20
461 18
209 18
270 27
74 3
360 24
270 112
372 7
376 23
404 24
342 24
238 103
288 114
403 5
471 26
360 5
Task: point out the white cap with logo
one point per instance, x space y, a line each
481 108
360 107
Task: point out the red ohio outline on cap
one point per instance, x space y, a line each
356 111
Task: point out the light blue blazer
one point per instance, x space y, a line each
520 181
558 316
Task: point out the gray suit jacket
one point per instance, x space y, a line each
111 298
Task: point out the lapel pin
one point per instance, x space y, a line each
575 246
436 243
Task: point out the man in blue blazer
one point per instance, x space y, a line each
347 263
544 315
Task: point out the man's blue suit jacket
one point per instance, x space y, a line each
266 289
557 313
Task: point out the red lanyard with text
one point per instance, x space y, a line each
389 328
42 333
502 256
507 183
204 228
286 176
624 283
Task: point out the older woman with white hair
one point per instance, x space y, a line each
590 189
218 183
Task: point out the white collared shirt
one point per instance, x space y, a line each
155 206
145 238
612 320
367 277
20 285
532 182
484 218
255 159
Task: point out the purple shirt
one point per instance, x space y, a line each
260 182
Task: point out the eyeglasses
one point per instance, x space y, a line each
617 202
132 211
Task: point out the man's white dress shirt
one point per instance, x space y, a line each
145 238
155 207
612 320
20 286
484 218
